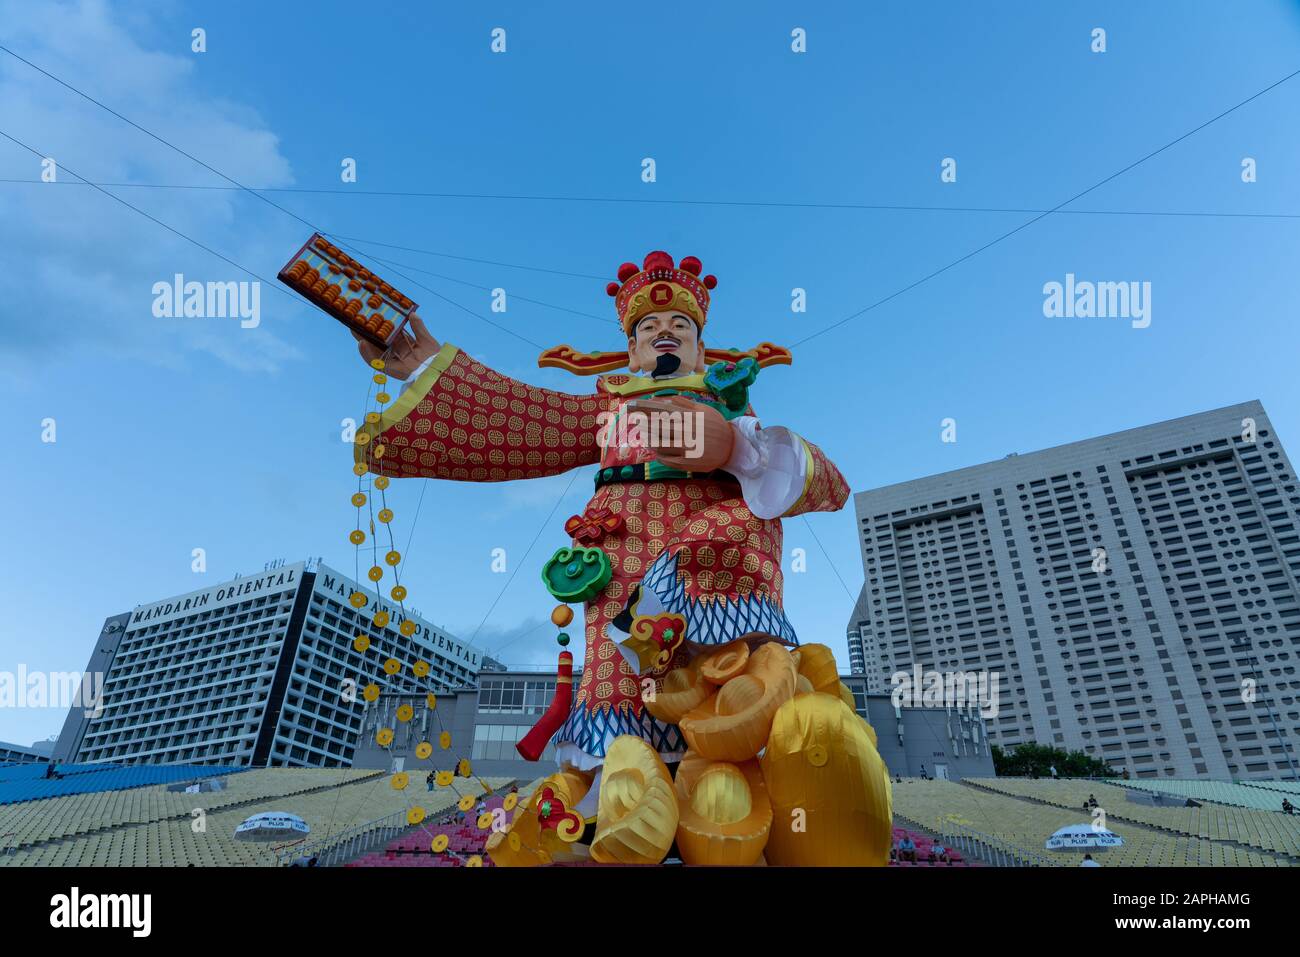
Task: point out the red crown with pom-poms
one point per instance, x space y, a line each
659 285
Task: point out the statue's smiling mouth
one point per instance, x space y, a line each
667 343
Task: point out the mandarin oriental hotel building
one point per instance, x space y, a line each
254 671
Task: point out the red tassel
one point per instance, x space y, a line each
536 740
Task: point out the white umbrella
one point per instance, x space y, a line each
272 826
1083 837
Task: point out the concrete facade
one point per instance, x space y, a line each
1137 593
258 671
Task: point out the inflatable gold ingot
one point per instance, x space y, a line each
725 813
505 852
817 664
733 724
826 779
721 665
525 843
683 689
637 817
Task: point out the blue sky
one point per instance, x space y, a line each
178 434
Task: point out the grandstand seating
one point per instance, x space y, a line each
1174 836
1219 792
414 849
153 826
92 778
146 824
925 851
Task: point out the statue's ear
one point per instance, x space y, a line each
700 361
632 364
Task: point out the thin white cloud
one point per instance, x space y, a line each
87 265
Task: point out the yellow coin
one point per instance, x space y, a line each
371 692
405 712
381 618
358 499
421 668
444 740
376 363
513 840
382 397
385 515
384 737
423 750
398 592
357 537
361 643
415 815
400 780
407 628
431 700
444 778
474 861
380 378
392 666
439 844
375 573
393 558
381 483
466 802
357 600
816 755
463 769
511 800
379 450
484 821
372 417
363 438
360 469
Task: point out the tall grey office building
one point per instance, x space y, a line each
255 671
1137 593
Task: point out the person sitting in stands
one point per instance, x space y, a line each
1088 861
907 848
1287 806
939 853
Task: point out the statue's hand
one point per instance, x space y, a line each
406 352
698 439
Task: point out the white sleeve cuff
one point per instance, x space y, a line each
770 465
419 371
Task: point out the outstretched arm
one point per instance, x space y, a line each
458 419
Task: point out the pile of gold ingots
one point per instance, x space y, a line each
368 455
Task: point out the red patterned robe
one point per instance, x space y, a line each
692 542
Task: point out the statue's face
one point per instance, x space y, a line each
667 332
